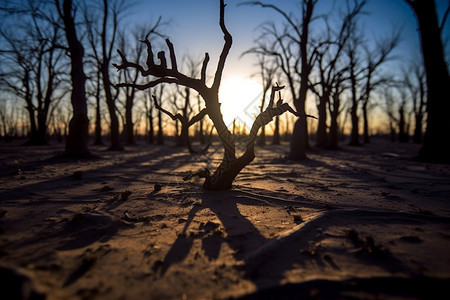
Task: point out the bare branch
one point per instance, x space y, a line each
173 58
444 18
225 50
149 84
173 117
203 72
162 58
150 61
198 117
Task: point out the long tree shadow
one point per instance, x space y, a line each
266 260
241 235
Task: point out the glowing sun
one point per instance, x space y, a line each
240 99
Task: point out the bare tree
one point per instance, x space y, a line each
355 71
132 75
435 146
290 49
182 136
32 68
267 70
160 132
335 109
98 139
185 109
403 119
414 79
230 166
8 121
77 139
330 65
375 57
102 30
148 107
389 102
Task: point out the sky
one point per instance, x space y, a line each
194 29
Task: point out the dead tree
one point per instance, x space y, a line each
415 81
102 31
77 140
231 165
184 121
435 146
374 59
290 49
31 67
267 70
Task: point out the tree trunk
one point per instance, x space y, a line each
435 146
42 127
365 123
77 139
321 137
33 127
151 131
276 132
417 137
129 126
98 125
334 128
299 139
114 120
402 132
354 134
160 134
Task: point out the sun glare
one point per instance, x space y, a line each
240 100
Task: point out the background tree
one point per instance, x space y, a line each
267 70
290 49
148 109
32 67
330 65
8 121
414 79
374 59
102 22
389 104
77 139
131 76
435 146
355 71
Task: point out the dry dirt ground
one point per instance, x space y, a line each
360 223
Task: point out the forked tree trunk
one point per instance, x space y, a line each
230 166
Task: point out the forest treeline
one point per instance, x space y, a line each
58 78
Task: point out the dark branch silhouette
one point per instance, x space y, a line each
230 166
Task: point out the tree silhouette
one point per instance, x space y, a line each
231 165
77 139
290 49
435 146
330 65
374 59
32 68
102 31
414 80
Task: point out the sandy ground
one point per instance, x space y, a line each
360 223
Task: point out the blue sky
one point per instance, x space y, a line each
193 29
194 25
